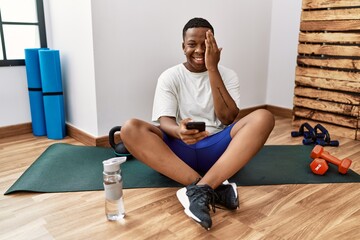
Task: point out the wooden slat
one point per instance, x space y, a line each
320 37
329 63
342 25
279 111
336 14
325 106
80 135
340 131
15 130
328 84
329 74
314 4
332 96
330 50
315 115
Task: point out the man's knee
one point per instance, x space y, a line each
265 117
129 124
130 127
261 118
136 127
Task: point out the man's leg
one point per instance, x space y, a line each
249 135
144 142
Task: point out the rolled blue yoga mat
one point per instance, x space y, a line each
55 118
51 79
50 69
37 112
35 90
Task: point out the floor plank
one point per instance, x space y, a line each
298 211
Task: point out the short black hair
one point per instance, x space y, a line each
197 23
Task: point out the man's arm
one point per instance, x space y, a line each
225 107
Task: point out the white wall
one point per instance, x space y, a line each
69 26
285 27
135 40
112 52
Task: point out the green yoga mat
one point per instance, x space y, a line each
66 168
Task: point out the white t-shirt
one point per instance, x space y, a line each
184 94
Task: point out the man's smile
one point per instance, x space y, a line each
199 60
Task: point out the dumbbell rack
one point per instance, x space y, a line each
328 67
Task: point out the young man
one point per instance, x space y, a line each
199 90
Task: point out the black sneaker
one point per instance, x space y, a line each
227 196
197 199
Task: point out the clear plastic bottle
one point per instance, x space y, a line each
113 186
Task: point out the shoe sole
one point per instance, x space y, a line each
184 200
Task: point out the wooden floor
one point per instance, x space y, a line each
307 211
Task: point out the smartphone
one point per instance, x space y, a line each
196 125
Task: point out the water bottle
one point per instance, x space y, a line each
114 202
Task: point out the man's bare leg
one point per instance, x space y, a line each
249 135
144 142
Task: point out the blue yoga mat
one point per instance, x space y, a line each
50 69
32 66
55 118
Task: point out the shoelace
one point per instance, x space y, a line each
205 195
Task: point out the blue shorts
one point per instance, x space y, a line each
202 155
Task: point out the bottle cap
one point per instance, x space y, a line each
113 164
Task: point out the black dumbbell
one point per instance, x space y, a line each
119 148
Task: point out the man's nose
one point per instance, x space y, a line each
200 49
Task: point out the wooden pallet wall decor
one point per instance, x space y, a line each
327 81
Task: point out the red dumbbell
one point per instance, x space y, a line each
343 165
319 166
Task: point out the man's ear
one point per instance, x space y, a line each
183 46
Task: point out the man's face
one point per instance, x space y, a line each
194 49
